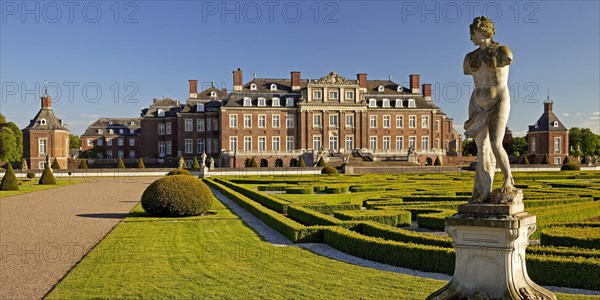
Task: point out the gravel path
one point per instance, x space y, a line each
44 234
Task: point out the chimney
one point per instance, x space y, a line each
415 82
427 91
237 80
548 105
193 88
295 80
46 101
362 81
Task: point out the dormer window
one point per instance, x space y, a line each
262 102
132 123
213 94
110 122
253 87
247 101
398 102
275 102
289 102
380 88
199 107
111 131
411 103
372 103
536 125
273 87
555 123
386 103
399 88
121 131
161 113
43 122
100 131
131 131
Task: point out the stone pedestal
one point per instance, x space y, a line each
490 242
203 172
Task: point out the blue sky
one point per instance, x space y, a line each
109 60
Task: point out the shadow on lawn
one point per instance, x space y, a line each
104 215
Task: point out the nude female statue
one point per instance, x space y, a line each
489 108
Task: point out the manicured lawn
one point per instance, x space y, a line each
33 186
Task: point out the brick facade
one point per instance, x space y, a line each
548 136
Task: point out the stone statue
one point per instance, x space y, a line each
203 160
489 108
211 163
181 164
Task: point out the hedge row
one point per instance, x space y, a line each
398 218
337 190
551 202
586 237
379 230
310 217
271 187
563 251
328 209
319 188
292 230
435 198
359 189
435 220
272 203
548 270
299 190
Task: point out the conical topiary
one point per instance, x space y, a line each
55 164
9 181
47 176
253 163
438 161
566 160
301 162
525 160
321 162
83 164
546 160
141 164
120 164
195 164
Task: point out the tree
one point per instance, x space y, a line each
195 164
566 160
9 181
469 148
253 163
74 142
55 165
438 161
2 119
8 145
519 144
583 142
19 138
507 140
47 176
120 164
141 164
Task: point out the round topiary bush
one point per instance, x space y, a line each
30 175
9 181
47 176
179 172
329 170
570 167
177 196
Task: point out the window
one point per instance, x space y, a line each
262 143
233 123
161 129
247 121
411 103
373 143
233 143
168 127
215 145
398 103
253 87
100 131
209 124
289 102
275 121
276 143
437 143
412 121
43 122
200 146
333 143
161 113
399 142
289 121
557 160
273 87
209 145
372 103
161 149
262 102
386 143
121 131
188 146
399 121
555 124
373 121
213 94
189 125
317 95
349 95
333 95
386 103
109 154
387 121
120 154
262 121
349 142
399 88
110 131
536 125
316 120
275 102
199 107
42 148
349 120
316 142
380 88
90 143
557 145
424 121
169 145
333 120
215 124
437 125
412 142
99 141
532 149
248 143
120 141
99 155
247 101
289 143
131 141
425 143
200 125
108 142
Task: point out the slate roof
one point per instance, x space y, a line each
210 106
546 121
46 120
170 106
389 87
106 124
205 95
263 85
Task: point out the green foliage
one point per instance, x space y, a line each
398 218
469 148
275 204
585 237
252 163
566 160
549 270
525 160
519 146
271 187
310 217
30 175
583 142
195 164
435 221
330 170
179 172
2 119
55 164
83 164
362 188
74 142
141 164
319 188
321 162
8 145
570 167
9 181
438 161
120 164
328 209
299 190
47 176
387 232
177 196
546 160
301 162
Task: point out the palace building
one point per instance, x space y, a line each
548 136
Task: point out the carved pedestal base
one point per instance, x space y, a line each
490 254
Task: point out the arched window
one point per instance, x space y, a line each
132 123
411 103
386 103
555 124
247 101
275 101
253 87
213 94
100 131
289 102
161 113
43 122
372 103
273 87
262 102
380 88
398 102
399 88
111 131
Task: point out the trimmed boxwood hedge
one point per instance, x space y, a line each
330 170
318 188
361 188
379 230
83 164
47 176
9 181
299 190
271 187
310 217
585 237
434 221
564 251
548 270
337 190
390 217
270 202
177 196
179 172
328 209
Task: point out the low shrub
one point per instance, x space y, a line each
252 163
9 181
434 221
570 167
177 196
120 164
389 217
563 251
47 176
360 189
55 164
83 164
331 170
546 160
525 160
141 164
585 237
438 161
179 172
301 162
30 175
321 163
271 187
400 235
566 160
328 209
266 200
333 190
551 270
299 190
310 217
195 164
318 188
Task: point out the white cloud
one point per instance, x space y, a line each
519 133
578 114
597 113
566 114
